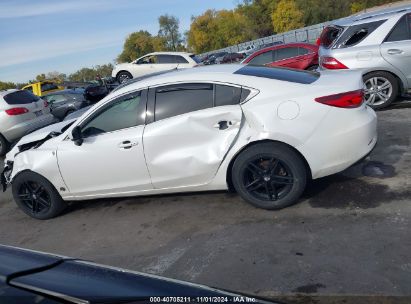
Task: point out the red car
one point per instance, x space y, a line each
302 56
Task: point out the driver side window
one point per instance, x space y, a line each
148 60
119 114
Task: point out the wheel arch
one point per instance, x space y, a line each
229 180
123 71
400 81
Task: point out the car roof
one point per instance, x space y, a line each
281 46
374 14
254 77
170 53
67 91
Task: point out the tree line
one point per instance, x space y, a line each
216 29
82 75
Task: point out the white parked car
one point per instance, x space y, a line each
261 131
152 63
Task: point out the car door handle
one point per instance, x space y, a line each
395 51
127 144
223 124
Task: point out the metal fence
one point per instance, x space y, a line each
305 34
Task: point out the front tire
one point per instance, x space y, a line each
36 196
124 76
380 89
269 176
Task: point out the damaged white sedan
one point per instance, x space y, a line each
260 131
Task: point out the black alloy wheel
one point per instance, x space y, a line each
34 197
267 178
269 175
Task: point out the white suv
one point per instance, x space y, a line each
379 44
152 63
21 112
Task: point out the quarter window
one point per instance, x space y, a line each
175 100
227 95
120 114
262 59
402 30
180 59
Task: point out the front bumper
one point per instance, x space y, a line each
5 175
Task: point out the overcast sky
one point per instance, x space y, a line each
64 35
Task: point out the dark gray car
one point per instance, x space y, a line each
65 102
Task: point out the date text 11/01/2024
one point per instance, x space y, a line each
222 299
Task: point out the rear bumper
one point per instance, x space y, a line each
26 127
343 138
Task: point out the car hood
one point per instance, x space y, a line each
37 136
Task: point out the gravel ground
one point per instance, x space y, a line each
347 240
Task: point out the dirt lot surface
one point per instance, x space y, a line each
350 235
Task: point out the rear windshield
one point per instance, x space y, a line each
20 97
283 74
356 33
195 58
329 35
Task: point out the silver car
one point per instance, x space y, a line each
378 43
21 112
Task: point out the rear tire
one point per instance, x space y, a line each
269 175
36 196
380 89
123 77
4 145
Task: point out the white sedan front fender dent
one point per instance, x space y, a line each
41 162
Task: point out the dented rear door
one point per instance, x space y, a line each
189 133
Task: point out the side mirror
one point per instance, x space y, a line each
77 136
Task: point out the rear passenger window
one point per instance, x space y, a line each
175 100
402 30
227 95
20 97
262 59
286 53
302 51
166 59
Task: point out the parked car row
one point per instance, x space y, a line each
250 127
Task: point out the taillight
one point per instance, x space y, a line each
351 99
16 111
332 63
